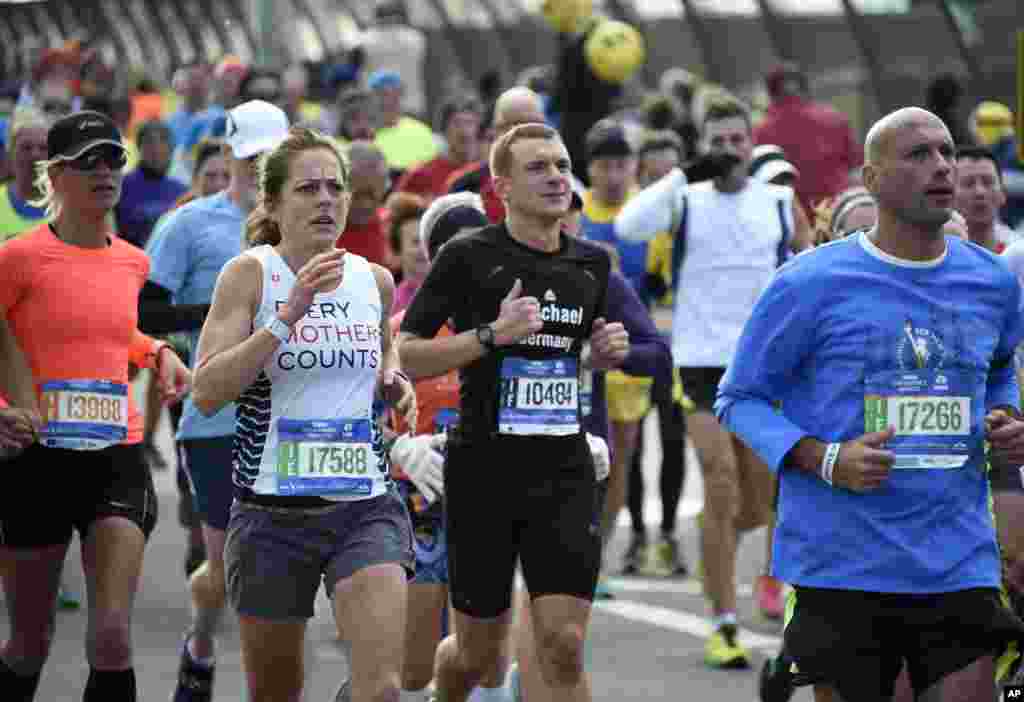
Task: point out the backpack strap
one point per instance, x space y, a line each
679 230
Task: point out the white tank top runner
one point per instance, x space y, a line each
305 427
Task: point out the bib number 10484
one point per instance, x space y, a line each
539 397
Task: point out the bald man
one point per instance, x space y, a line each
869 378
366 231
515 106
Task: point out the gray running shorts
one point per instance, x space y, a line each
276 558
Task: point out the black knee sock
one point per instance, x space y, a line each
110 686
635 486
15 687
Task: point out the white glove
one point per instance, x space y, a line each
602 461
422 462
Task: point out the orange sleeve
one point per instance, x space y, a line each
142 352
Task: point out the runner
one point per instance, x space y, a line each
26 148
422 485
520 415
515 106
870 376
189 250
649 355
297 334
70 295
731 233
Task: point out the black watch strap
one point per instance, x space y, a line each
485 335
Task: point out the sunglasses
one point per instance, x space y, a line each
115 158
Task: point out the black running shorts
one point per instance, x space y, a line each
502 507
701 386
50 491
857 641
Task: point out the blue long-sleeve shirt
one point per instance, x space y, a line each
649 353
832 326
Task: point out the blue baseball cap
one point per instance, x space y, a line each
384 79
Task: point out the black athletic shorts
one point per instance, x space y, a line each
857 641
504 506
1005 478
48 492
701 386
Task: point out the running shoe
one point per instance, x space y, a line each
722 650
603 591
636 554
195 681
514 690
67 598
344 693
776 681
768 594
668 558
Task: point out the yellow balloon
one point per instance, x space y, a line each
614 51
565 16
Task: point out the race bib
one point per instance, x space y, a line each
328 457
930 411
539 398
84 415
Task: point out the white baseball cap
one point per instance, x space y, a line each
254 127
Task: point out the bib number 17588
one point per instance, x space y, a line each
302 458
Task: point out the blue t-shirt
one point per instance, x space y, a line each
832 323
187 252
144 200
180 124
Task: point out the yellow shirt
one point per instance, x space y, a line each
13 223
407 144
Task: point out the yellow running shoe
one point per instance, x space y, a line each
722 650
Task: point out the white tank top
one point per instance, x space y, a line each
733 244
305 427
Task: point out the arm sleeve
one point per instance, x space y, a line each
435 301
142 352
649 353
170 255
774 344
652 209
158 316
1002 386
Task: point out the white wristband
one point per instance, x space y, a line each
828 462
279 328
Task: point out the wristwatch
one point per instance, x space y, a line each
279 328
485 335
